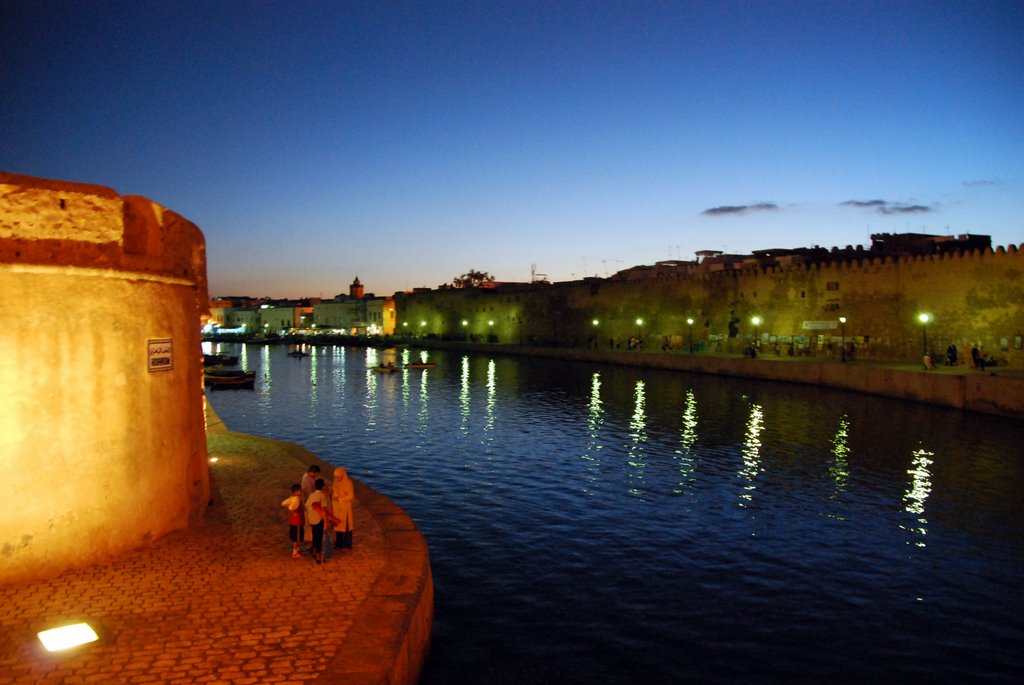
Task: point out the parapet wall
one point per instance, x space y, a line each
102 438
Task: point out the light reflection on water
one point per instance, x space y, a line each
839 468
917 493
637 438
583 522
751 454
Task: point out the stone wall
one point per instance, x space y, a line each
973 298
102 438
986 393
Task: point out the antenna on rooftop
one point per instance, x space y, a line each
605 262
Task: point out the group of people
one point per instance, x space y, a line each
978 360
315 509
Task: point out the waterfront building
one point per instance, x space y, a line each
242 319
356 313
367 315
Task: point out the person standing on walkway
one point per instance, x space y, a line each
342 495
308 481
316 512
294 504
977 359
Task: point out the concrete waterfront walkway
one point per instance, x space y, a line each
225 603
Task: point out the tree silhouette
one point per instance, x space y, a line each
472 279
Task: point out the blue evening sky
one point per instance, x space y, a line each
408 142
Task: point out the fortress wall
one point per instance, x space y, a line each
975 297
100 453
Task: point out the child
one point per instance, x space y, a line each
294 504
316 513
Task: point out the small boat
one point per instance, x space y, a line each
298 354
386 368
219 360
421 365
225 379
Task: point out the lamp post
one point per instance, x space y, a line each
842 339
689 333
924 319
757 322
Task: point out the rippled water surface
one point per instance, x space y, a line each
608 525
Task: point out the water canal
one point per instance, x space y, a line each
617 525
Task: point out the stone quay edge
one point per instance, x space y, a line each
223 602
998 391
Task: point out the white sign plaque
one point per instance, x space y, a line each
160 355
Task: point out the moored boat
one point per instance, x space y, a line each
219 360
222 379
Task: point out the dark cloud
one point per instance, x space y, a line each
864 204
886 207
732 210
908 209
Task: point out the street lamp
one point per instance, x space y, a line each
924 319
842 343
689 334
757 322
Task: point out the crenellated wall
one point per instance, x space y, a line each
102 437
974 297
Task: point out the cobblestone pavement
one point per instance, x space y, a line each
223 602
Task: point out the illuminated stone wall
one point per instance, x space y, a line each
973 298
102 437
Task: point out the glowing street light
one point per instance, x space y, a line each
67 637
756 320
842 339
924 319
689 334
639 333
